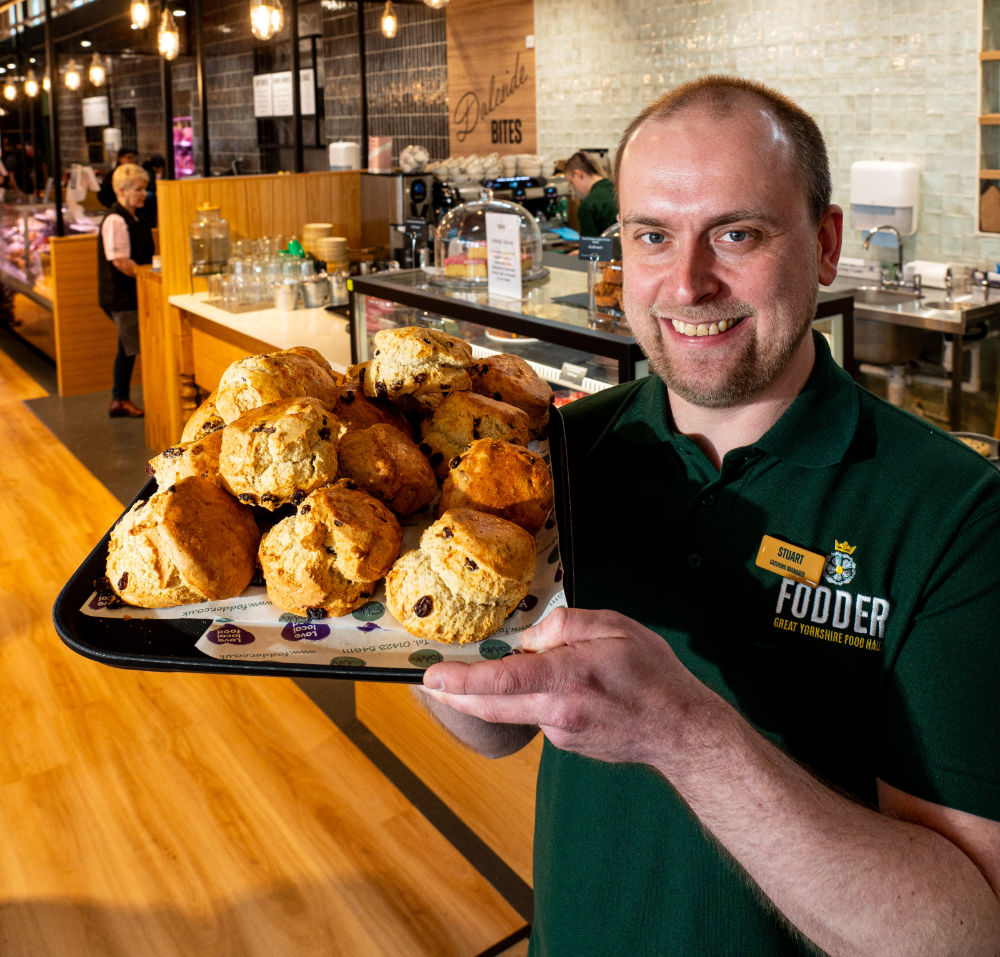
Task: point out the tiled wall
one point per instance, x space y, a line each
889 79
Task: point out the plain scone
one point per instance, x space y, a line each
189 542
388 464
327 558
469 573
254 381
414 361
279 453
501 478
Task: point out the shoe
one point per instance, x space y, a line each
123 408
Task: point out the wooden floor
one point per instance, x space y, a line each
148 814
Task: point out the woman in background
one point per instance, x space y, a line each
598 209
126 242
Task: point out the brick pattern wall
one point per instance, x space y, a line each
885 81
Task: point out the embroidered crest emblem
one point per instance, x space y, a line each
840 566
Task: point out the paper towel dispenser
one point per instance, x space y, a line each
884 193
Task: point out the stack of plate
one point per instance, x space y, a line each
312 232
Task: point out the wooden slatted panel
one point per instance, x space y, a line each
495 798
159 378
86 339
254 206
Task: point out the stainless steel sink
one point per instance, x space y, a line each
877 296
949 305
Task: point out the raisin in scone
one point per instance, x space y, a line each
189 542
469 573
464 417
200 457
386 463
203 421
500 478
279 453
509 378
254 381
327 558
413 361
353 411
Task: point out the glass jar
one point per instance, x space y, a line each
460 242
605 280
210 241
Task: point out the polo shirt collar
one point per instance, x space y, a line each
815 431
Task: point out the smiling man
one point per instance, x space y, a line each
772 722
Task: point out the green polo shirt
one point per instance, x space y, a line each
888 668
598 209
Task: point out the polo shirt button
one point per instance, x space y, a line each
708 499
694 560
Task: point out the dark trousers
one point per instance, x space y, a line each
122 374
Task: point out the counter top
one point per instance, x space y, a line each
268 330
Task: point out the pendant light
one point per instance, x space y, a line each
31 84
267 17
9 91
168 37
436 4
139 12
72 77
97 73
389 22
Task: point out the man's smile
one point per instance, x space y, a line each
705 328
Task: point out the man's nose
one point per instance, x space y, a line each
694 275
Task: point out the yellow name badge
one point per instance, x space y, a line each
790 561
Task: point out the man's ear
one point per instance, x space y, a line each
829 237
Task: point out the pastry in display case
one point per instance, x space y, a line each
605 282
25 234
460 243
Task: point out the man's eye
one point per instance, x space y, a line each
652 239
736 235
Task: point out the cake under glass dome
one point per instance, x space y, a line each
460 243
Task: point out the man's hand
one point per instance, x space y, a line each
604 686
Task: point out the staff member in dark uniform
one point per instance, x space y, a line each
598 209
126 242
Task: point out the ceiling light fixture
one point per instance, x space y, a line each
72 77
97 73
267 17
9 91
140 14
168 37
31 84
390 22
436 4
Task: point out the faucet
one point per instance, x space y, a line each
900 282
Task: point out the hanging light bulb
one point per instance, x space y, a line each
389 20
72 76
168 38
97 73
139 12
436 4
267 17
31 84
9 91
46 83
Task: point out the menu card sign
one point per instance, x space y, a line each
281 93
95 111
597 247
263 103
503 255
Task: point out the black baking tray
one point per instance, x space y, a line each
168 644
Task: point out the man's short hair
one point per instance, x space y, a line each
128 175
585 162
126 151
722 96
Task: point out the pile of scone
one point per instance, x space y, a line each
294 471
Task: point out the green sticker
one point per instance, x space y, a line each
346 661
425 658
370 611
494 648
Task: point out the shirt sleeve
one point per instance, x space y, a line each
114 234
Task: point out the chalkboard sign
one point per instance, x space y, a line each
597 247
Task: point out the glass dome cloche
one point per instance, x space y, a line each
460 243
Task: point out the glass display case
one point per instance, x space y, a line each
550 326
24 249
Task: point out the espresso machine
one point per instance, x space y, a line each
398 214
